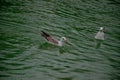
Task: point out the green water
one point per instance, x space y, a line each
25 55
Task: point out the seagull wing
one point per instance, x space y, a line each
49 38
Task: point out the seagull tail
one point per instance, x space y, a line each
44 34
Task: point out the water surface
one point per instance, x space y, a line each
24 54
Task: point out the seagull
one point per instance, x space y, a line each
100 35
53 41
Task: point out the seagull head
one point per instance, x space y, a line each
101 29
63 39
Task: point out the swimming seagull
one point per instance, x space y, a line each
100 35
53 41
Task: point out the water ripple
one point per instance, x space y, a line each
25 55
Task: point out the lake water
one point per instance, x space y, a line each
25 55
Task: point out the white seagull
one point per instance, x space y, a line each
100 35
53 41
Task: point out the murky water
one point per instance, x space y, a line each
25 55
